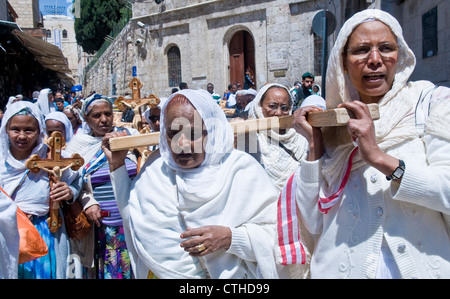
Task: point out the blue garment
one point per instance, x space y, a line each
43 267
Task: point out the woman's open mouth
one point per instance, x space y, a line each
374 77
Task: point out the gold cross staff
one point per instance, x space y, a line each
55 166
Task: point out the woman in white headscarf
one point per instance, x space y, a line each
21 135
200 209
57 121
279 152
375 193
97 196
45 101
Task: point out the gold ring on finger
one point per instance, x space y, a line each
201 247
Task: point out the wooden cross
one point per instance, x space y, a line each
134 103
326 118
135 86
55 166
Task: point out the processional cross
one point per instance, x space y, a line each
55 166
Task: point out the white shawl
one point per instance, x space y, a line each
33 195
229 188
277 162
9 238
396 123
12 171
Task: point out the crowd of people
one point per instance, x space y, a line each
365 200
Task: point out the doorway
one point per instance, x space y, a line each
242 60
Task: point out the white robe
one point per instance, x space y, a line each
273 147
242 198
229 189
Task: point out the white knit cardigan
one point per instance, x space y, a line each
407 220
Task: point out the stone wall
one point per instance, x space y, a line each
437 67
282 31
28 11
202 30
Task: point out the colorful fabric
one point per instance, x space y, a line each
91 101
151 275
95 163
113 257
104 193
43 267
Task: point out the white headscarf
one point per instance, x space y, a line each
220 135
11 101
44 104
12 170
34 111
314 100
278 163
61 117
396 107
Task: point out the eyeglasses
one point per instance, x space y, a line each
275 107
363 52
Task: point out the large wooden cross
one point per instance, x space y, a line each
134 103
55 166
326 118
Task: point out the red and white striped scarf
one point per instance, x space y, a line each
326 203
289 243
290 247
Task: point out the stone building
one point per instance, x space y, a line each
29 14
426 30
202 41
61 33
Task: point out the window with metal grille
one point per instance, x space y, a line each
174 62
318 49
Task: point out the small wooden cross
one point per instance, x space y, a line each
55 166
135 86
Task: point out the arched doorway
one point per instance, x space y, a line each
242 59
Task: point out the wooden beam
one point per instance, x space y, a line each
133 141
326 118
338 117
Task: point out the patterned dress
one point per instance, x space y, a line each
111 256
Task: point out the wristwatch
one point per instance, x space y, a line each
398 172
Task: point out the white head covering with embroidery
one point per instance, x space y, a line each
279 164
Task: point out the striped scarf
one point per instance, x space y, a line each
95 163
289 243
